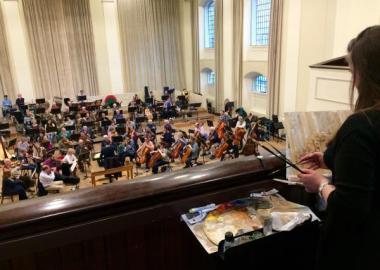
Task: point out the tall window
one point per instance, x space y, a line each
211 77
260 84
260 22
210 25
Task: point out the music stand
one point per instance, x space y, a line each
171 91
4 126
89 124
23 107
132 109
56 111
12 142
106 123
51 129
70 128
117 139
83 114
164 98
40 101
81 98
140 119
149 100
19 116
210 123
40 110
121 112
121 121
73 109
74 137
5 133
232 123
191 131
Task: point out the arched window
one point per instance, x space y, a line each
260 22
260 84
210 24
210 77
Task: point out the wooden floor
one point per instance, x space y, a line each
179 124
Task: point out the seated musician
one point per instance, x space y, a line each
70 157
28 118
64 143
23 144
86 131
127 149
168 125
148 114
213 142
11 184
112 131
149 144
7 106
195 150
152 127
51 125
163 158
240 123
168 138
118 115
109 159
26 161
200 128
49 179
80 150
20 102
63 134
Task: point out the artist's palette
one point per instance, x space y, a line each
233 220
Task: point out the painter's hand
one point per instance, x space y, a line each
311 180
314 160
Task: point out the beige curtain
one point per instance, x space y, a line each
151 44
219 54
61 47
238 28
274 60
6 77
195 45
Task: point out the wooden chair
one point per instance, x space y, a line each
4 196
129 166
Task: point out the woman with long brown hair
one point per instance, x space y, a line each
350 236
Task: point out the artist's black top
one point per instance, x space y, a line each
351 234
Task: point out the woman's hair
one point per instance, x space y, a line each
364 59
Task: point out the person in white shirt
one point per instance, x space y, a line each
240 123
70 157
47 179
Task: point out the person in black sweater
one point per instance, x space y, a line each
350 236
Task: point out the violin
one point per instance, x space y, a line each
141 155
155 157
186 153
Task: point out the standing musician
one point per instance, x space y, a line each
109 159
20 102
7 106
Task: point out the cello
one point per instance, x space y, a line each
141 155
186 153
220 129
238 136
155 157
176 149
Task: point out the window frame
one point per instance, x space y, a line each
253 39
208 44
263 83
211 79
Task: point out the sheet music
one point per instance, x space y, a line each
72 168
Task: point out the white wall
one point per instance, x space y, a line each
315 31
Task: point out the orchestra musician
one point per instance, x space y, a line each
168 137
162 155
11 185
109 159
213 142
143 152
7 106
20 102
80 151
55 161
195 150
